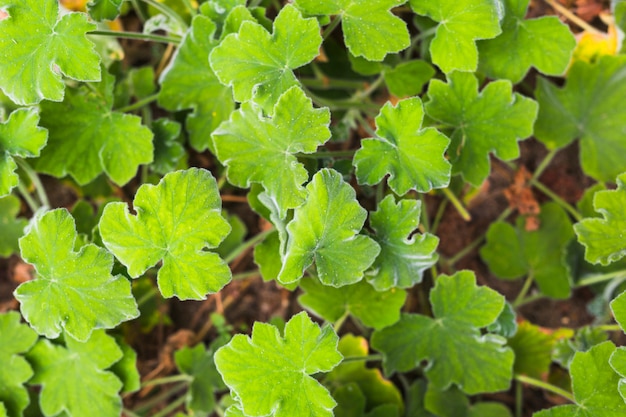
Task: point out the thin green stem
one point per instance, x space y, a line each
340 321
246 245
529 299
41 191
425 219
333 84
138 104
610 328
416 39
146 296
190 7
21 188
546 386
167 11
544 164
167 380
527 284
457 204
148 404
327 154
171 407
519 398
365 125
360 95
331 27
136 35
368 358
438 216
246 275
554 197
139 10
127 413
595 279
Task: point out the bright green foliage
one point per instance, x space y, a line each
544 43
126 368
374 389
73 291
74 378
19 137
351 402
461 23
402 259
325 230
408 78
12 227
533 350
583 339
270 374
451 341
413 157
369 28
618 306
87 138
453 403
506 324
38 45
618 363
15 339
589 107
176 220
104 9
594 385
375 309
189 83
513 252
259 65
249 137
604 238
490 122
197 362
267 257
167 149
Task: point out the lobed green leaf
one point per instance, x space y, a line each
12 227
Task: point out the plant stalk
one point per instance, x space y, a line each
546 386
136 35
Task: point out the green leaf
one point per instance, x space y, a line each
506 324
453 403
197 362
12 227
594 384
325 230
87 138
267 257
618 307
188 82
271 374
375 309
370 29
451 341
618 363
603 238
16 339
38 45
126 368
544 43
590 108
413 157
73 291
19 137
104 9
513 252
583 339
490 122
402 259
74 379
166 228
259 65
408 78
167 150
461 23
533 350
249 137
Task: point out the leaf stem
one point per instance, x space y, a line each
544 164
519 398
457 204
331 27
546 386
246 275
365 124
41 191
167 380
138 104
327 154
332 84
572 17
360 95
554 197
246 245
417 38
171 407
597 278
340 321
161 397
439 215
126 412
136 35
527 284
21 188
139 10
610 327
375 357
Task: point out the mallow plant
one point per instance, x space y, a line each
348 127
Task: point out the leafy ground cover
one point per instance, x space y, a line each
390 208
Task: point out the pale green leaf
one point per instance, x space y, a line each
19 137
267 257
370 29
73 291
325 230
15 339
257 64
176 220
618 307
375 309
189 83
270 374
39 46
126 368
451 342
590 108
605 238
402 259
618 363
461 23
492 121
168 151
12 227
249 137
544 43
104 9
453 403
513 252
412 156
197 362
594 384
408 78
87 138
73 378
